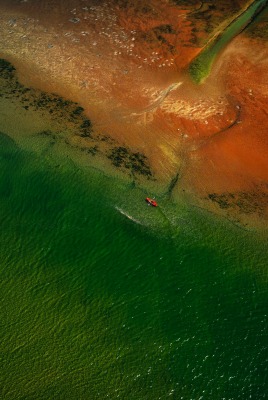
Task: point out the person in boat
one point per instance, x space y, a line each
151 202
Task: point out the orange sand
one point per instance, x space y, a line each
126 67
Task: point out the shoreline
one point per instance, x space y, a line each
50 137
147 125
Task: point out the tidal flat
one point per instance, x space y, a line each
102 295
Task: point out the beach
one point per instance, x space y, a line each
104 296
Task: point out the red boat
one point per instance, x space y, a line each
151 202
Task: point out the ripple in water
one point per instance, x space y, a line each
95 305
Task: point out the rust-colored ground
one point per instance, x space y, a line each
126 64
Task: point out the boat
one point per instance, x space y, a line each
151 202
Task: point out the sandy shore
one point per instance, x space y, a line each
125 64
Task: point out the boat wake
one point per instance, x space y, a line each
128 216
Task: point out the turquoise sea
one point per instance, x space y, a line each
103 297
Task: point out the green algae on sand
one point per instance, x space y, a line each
200 67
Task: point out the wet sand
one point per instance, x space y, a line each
126 65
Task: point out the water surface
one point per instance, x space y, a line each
95 305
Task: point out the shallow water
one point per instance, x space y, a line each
105 297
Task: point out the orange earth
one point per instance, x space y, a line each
126 64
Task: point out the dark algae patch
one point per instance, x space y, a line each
253 202
36 100
72 126
77 111
52 136
136 163
172 185
6 69
86 129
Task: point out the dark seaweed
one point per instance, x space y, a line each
137 163
255 201
7 70
66 110
168 29
77 111
172 184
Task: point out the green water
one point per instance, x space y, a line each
201 66
96 306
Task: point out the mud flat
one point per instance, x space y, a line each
109 83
